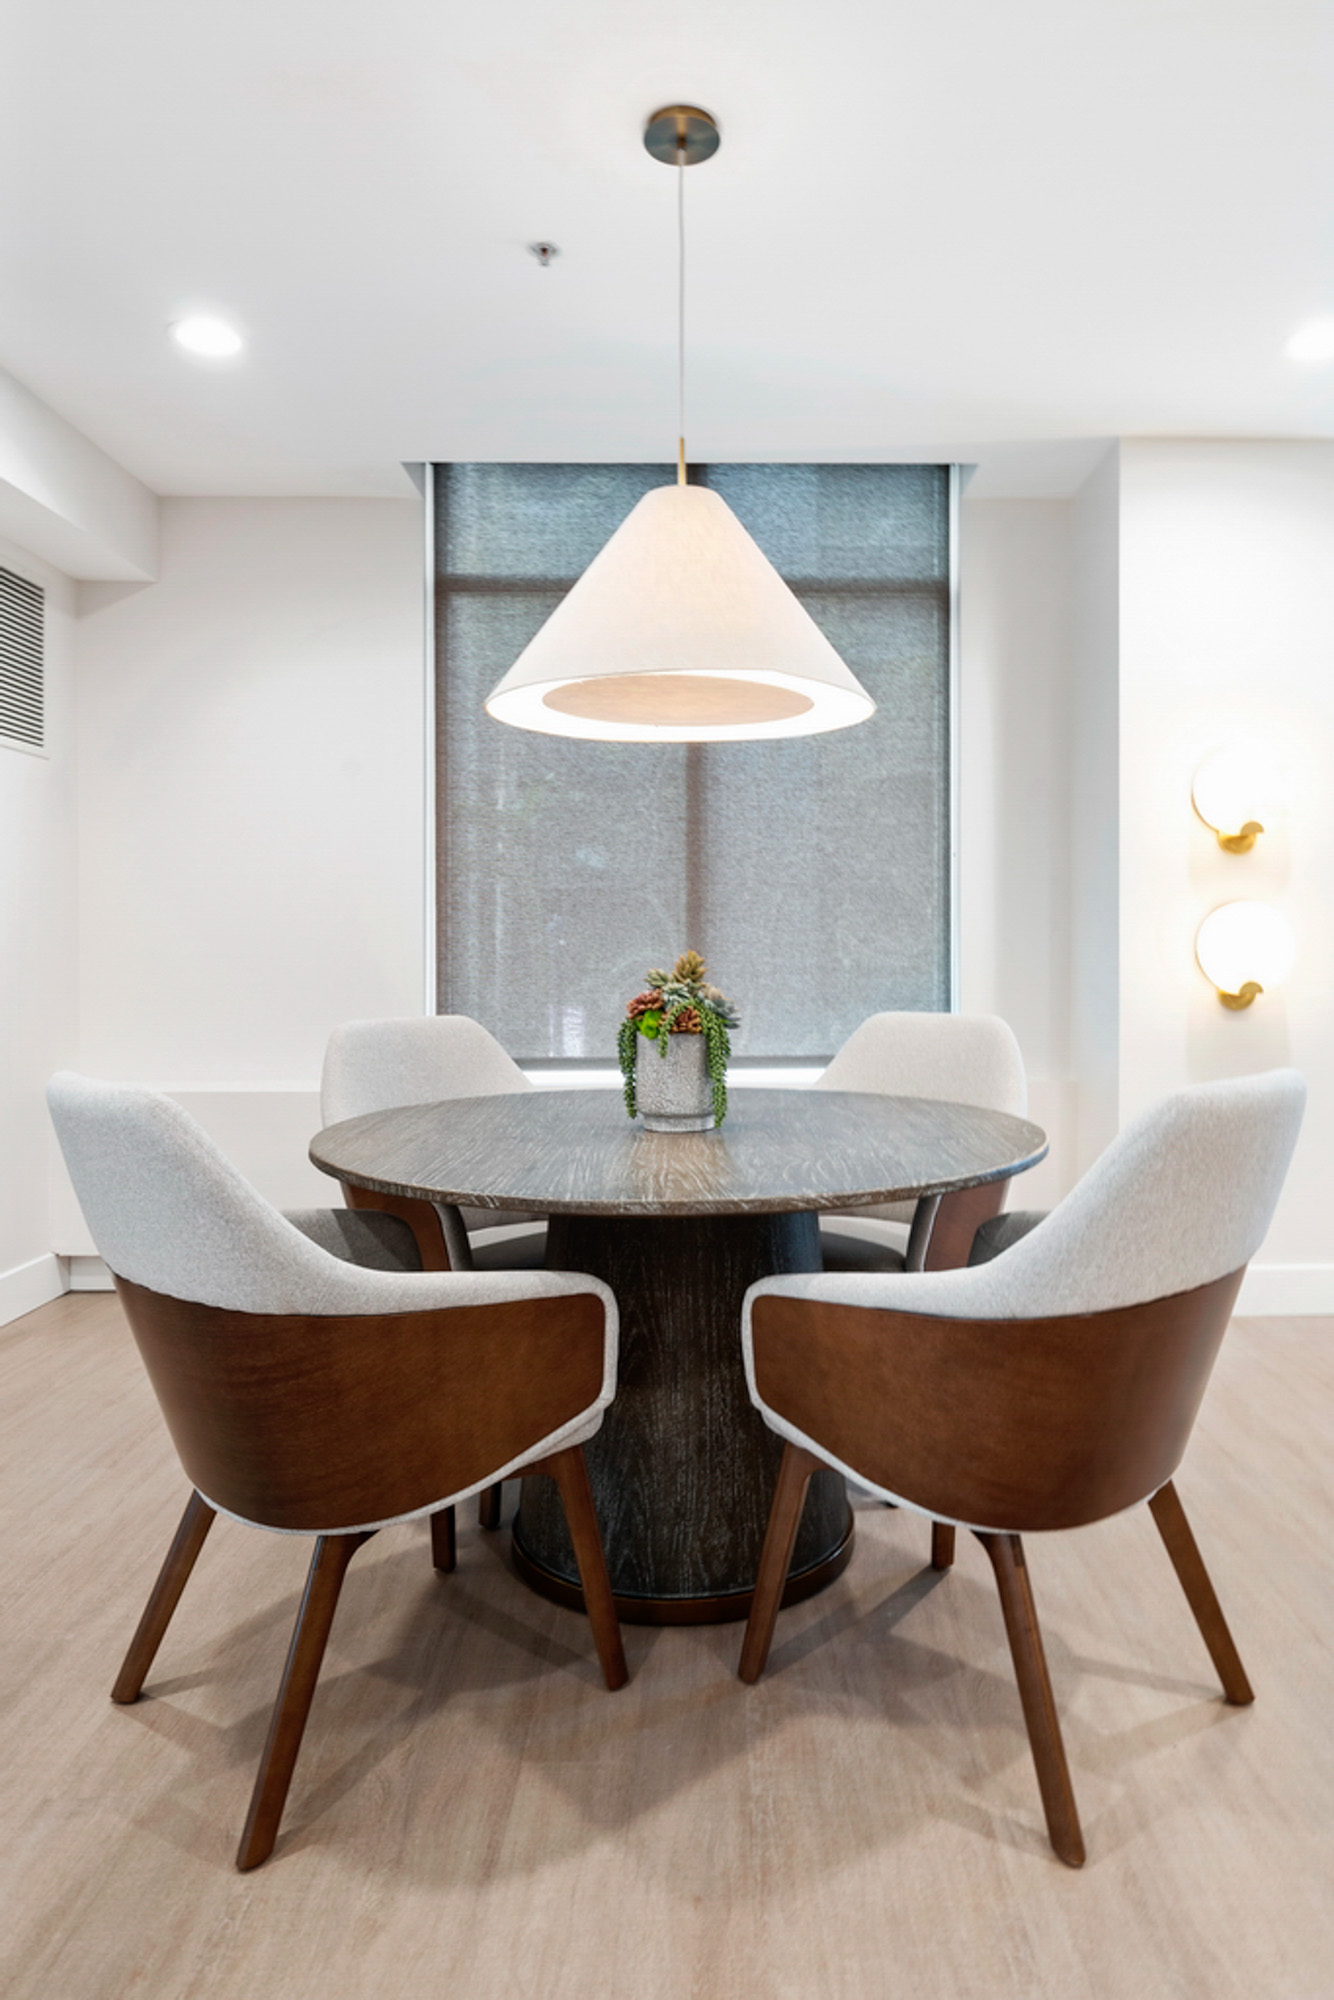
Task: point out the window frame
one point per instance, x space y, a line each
565 1071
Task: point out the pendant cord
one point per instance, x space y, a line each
681 314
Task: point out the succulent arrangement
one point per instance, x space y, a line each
679 1002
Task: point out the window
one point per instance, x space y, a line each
812 873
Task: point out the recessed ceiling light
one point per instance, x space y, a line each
203 335
1314 342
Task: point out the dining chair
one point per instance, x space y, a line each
423 1059
967 1058
1048 1388
311 1394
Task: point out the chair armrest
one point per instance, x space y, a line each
359 1236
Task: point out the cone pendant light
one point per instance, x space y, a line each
680 630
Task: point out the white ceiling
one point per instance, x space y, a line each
936 228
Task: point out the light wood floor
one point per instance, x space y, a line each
473 1816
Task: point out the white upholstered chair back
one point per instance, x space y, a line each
169 1211
378 1065
1184 1195
969 1058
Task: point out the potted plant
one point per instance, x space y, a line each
674 1048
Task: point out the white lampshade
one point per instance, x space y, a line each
680 631
1245 944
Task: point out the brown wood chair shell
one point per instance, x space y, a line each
1046 1389
312 1395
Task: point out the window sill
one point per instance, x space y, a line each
787 1076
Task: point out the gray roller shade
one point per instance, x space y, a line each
813 874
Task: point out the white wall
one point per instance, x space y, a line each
37 953
251 830
1016 641
251 813
1227 630
1183 599
250 790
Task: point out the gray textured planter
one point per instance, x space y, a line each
673 1092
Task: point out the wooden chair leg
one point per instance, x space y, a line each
794 1476
1030 1667
310 1635
444 1552
1188 1563
489 1504
942 1545
165 1596
570 1473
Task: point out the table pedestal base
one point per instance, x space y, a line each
719 1610
683 1469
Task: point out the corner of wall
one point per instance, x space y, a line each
1095 809
38 1005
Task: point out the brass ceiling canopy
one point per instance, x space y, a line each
681 135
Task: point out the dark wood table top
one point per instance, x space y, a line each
576 1152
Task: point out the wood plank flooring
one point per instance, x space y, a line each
474 1816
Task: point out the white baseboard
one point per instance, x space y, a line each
1301 1290
88 1274
30 1285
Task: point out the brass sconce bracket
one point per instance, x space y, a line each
1242 998
1242 841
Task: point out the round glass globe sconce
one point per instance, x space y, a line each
1244 949
1235 793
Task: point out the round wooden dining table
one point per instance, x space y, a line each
679 1224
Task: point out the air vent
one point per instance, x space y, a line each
22 609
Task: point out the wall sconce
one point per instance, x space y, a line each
1244 949
1233 793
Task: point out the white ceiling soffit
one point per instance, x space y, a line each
65 500
934 228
